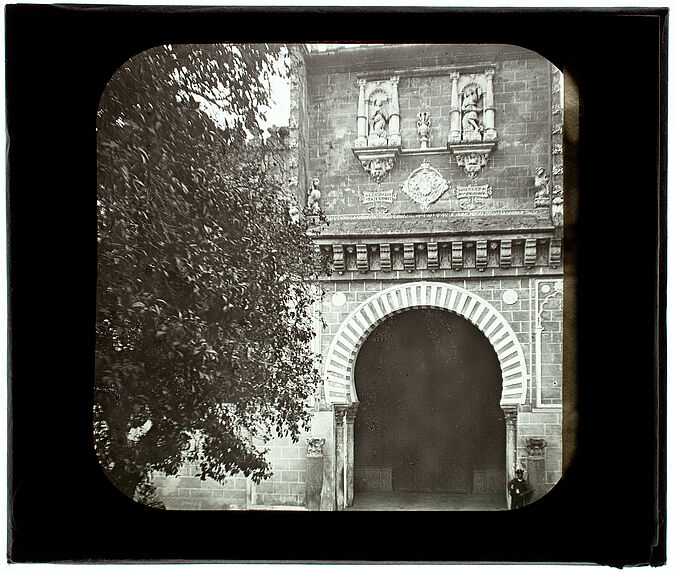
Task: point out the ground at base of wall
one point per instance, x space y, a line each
389 501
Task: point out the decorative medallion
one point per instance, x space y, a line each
472 196
425 185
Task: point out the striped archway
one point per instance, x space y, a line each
339 387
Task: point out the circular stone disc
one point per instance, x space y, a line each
510 296
338 299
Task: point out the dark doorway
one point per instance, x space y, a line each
429 420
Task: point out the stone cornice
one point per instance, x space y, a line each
522 253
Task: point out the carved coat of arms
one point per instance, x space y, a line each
425 185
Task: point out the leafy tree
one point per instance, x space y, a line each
204 304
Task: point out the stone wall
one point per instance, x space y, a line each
522 95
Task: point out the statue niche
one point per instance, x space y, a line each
378 123
472 135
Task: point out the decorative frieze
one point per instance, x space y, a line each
425 185
556 199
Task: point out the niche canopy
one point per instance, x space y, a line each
472 134
378 140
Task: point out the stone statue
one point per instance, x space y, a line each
378 121
313 197
470 120
541 180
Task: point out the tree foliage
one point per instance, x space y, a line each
204 307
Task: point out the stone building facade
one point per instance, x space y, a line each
439 170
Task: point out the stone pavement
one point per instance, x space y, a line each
387 501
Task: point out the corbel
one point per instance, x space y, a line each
505 253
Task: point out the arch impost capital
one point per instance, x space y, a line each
350 412
511 416
340 412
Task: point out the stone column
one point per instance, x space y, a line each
536 466
394 115
314 479
350 414
340 457
455 135
511 417
490 134
362 117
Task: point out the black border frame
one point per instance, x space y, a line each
609 507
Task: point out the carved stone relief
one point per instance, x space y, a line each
313 197
472 162
378 167
377 201
541 181
472 196
425 185
423 129
315 447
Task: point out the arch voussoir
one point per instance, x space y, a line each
341 357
